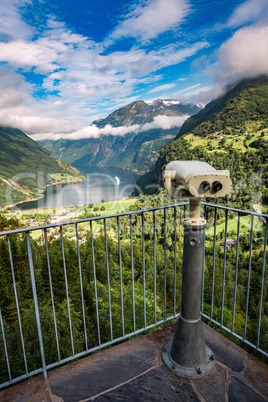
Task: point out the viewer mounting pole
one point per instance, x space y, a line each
187 354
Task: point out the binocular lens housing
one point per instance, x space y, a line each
216 186
204 186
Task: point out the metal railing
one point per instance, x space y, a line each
62 299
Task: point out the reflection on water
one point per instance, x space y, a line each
100 183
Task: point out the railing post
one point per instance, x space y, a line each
187 354
38 323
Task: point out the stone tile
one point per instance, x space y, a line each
257 374
212 386
224 350
160 384
239 391
102 371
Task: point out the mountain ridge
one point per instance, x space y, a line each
137 149
142 112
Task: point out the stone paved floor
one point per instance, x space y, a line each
134 371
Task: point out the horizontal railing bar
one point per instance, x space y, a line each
93 218
20 378
106 344
261 215
138 212
235 334
86 352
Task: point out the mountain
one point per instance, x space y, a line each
136 150
141 112
26 168
231 132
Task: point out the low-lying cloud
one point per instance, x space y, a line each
160 122
244 55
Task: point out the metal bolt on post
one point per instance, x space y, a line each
188 354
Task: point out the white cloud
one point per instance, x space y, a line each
187 89
18 108
13 90
152 18
250 11
243 55
76 80
163 122
45 54
139 62
172 54
161 88
80 75
11 24
28 55
202 95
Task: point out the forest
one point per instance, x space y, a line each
137 258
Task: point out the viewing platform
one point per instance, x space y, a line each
63 301
134 371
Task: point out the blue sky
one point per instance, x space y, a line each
66 63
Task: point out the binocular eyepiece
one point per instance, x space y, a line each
205 186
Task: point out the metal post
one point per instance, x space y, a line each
37 315
187 354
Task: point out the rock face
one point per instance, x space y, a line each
142 129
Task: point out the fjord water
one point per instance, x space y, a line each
100 183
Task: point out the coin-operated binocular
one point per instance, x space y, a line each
187 354
196 179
